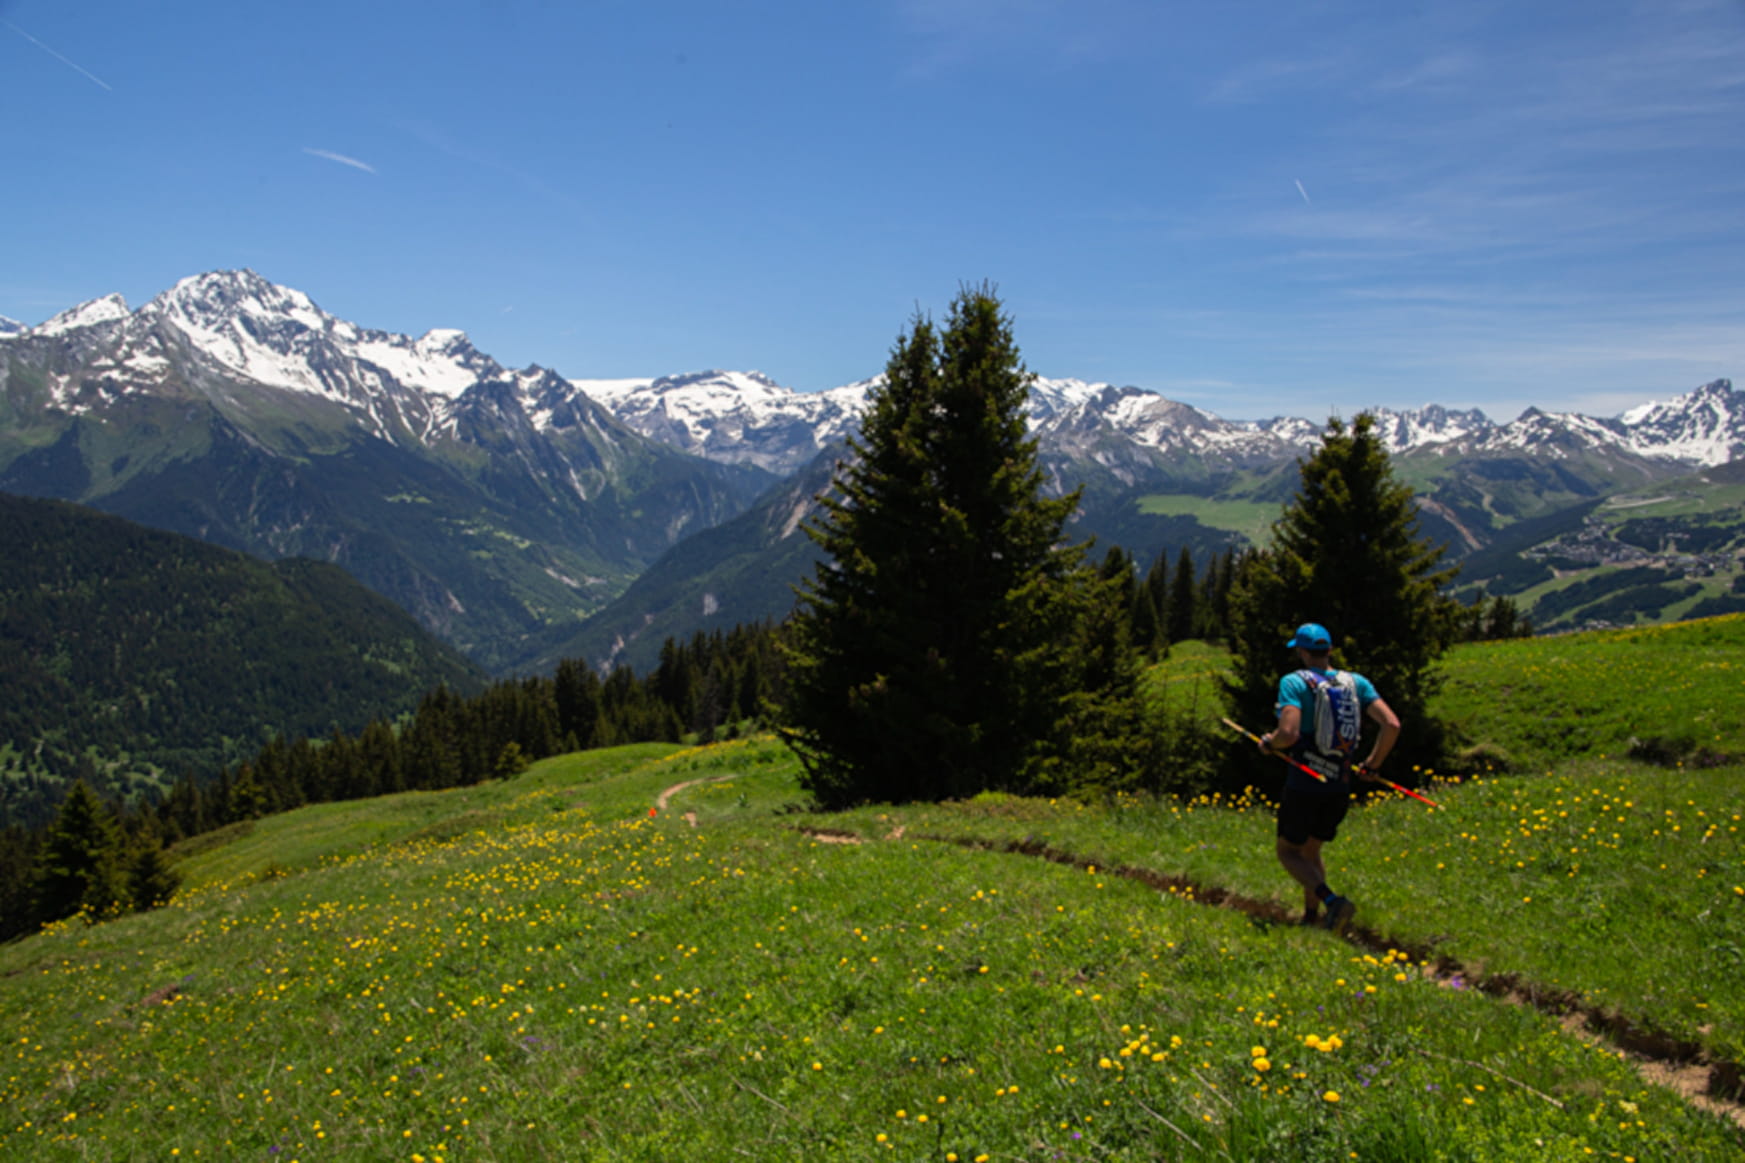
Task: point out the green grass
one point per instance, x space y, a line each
541 969
1619 887
1676 499
1546 700
1252 519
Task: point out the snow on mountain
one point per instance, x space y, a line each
105 310
277 336
733 417
1702 427
249 328
1050 398
744 417
273 335
1432 424
10 327
1706 426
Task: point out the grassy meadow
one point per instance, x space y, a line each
552 968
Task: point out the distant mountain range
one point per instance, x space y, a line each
504 508
494 505
746 418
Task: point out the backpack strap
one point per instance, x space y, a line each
1307 748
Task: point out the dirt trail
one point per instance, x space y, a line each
660 802
1717 1086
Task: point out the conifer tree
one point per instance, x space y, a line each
1182 622
1151 609
1346 552
79 864
151 879
924 661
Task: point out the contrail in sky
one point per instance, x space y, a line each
1302 191
57 56
341 159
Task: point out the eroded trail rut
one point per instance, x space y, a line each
1716 1085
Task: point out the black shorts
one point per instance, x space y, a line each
1302 814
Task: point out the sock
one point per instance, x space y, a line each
1326 894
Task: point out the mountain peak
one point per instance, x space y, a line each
105 310
1705 425
736 381
447 341
210 300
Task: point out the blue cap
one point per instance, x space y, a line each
1312 636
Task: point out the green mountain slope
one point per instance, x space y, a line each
133 656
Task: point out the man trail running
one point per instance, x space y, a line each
1320 712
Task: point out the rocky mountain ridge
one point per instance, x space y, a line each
401 387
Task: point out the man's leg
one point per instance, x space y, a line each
1303 862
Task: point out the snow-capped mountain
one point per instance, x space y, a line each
105 310
744 417
490 503
243 328
9 326
1704 427
734 417
747 418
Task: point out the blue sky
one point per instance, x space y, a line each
1261 209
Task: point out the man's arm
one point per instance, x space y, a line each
1284 736
1384 743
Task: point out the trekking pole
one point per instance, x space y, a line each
1379 779
1235 726
1322 778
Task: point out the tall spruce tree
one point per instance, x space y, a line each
926 659
1347 553
1182 620
79 863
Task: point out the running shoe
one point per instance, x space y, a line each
1340 910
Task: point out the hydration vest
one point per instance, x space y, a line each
1338 724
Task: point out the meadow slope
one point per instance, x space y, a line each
553 967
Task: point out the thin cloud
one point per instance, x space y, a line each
341 159
1302 191
81 69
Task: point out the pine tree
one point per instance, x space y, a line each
1347 553
151 879
1144 619
925 656
79 864
576 689
1182 622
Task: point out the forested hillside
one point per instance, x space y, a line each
132 656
